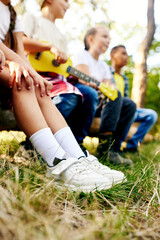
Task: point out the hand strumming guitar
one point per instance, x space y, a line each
60 56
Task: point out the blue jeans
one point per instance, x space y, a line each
115 116
82 117
147 118
66 103
78 113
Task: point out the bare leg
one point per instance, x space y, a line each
59 127
27 111
26 108
51 114
34 113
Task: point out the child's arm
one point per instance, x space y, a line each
34 46
19 48
85 69
2 60
25 68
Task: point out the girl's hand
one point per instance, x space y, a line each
60 56
44 85
31 77
16 73
2 60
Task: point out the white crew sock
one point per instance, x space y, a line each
67 141
46 145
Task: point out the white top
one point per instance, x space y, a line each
5 22
98 69
40 28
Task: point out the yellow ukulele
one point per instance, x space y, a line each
45 62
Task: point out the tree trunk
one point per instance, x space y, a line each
140 69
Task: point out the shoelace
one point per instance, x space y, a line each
96 163
80 167
100 165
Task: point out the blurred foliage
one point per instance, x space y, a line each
155 48
153 85
86 12
153 90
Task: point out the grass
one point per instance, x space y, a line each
33 207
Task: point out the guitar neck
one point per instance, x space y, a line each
82 76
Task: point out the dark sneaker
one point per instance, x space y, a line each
27 144
130 150
114 157
105 144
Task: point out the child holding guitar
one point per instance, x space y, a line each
43 28
115 115
65 96
39 118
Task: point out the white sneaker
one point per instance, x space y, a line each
77 175
114 175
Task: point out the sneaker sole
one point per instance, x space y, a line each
87 189
120 181
80 188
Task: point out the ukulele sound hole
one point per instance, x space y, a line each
55 63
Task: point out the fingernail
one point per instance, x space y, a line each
10 86
37 85
42 95
19 89
29 88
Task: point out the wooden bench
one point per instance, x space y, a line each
7 120
94 131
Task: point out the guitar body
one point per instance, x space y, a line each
45 62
